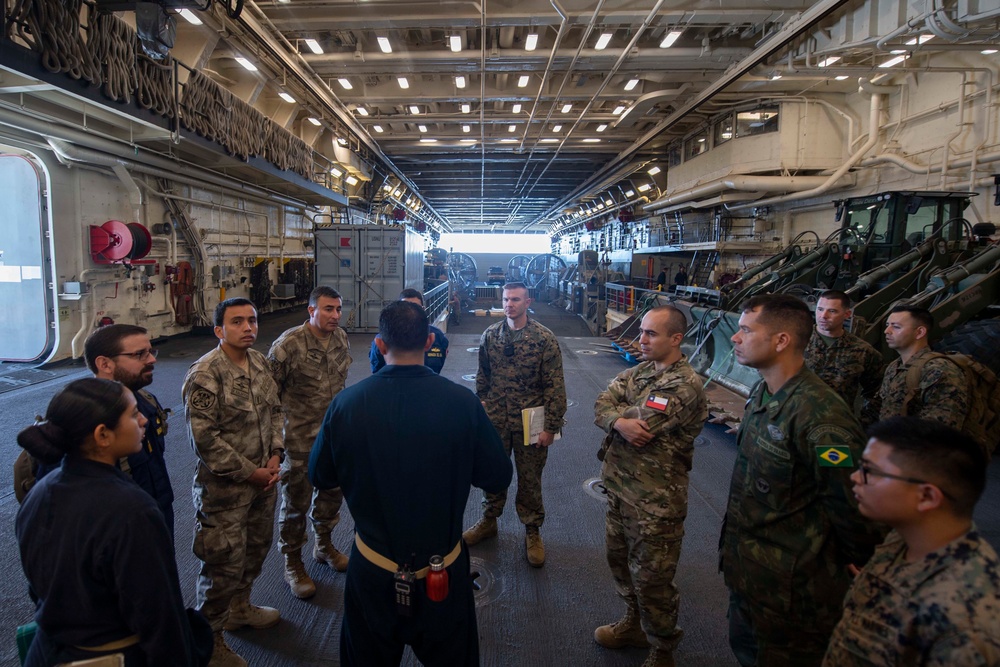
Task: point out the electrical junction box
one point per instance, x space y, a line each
284 290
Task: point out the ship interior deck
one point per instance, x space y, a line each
527 617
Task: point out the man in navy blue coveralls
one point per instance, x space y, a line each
434 356
406 446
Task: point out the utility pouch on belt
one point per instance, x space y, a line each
405 582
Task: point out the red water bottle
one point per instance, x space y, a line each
437 580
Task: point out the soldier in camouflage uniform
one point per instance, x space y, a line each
309 364
234 421
652 414
520 366
930 595
842 360
792 526
942 392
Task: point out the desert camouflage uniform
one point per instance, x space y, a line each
308 376
532 377
648 486
234 422
792 525
942 394
942 611
850 366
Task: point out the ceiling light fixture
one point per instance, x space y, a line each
428 141
630 193
670 38
893 61
351 180
922 39
455 42
336 173
591 141
403 83
609 202
422 128
414 109
285 96
460 82
653 171
314 46
567 108
516 108
618 110
345 84
602 127
775 77
603 41
466 108
468 141
508 141
511 128
249 66
530 42
632 83
842 77
549 140
377 128
557 128
466 128
523 81
315 121
988 52
383 43
362 111
644 187
342 141
190 17
826 62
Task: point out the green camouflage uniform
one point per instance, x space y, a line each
647 488
532 377
308 375
234 423
850 366
792 525
942 393
942 611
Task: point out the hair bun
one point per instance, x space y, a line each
45 441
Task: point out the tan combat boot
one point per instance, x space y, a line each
534 549
223 656
325 552
659 657
242 613
484 528
298 580
626 632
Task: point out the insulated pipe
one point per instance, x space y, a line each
917 168
873 125
957 133
741 184
76 345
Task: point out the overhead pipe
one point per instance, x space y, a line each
740 184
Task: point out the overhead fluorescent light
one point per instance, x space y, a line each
603 41
345 84
632 83
591 141
523 81
775 77
530 42
892 62
897 52
618 110
422 128
644 187
466 128
842 77
566 108
602 127
414 109
428 141
315 121
246 64
557 128
670 38
516 108
630 193
466 108
351 180
314 46
336 173
377 128
398 193
403 83
383 43
922 39
362 111
460 82
285 96
549 140
609 202
455 42
600 206
511 128
468 141
508 141
653 171
190 16
988 52
826 62
342 141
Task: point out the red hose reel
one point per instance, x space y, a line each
116 242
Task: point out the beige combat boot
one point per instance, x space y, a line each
659 657
223 656
534 549
298 580
242 613
484 528
626 632
325 552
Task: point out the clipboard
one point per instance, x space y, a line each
533 423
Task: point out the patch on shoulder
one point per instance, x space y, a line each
775 432
202 399
834 457
836 432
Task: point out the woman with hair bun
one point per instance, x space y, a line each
94 546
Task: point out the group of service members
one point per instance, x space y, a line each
809 502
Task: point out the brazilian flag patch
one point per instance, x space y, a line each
834 457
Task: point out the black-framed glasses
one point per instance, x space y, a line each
868 471
508 350
140 355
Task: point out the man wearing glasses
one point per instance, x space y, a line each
930 594
520 366
123 352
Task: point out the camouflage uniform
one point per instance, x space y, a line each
850 366
308 376
532 377
647 488
792 525
234 422
942 393
942 611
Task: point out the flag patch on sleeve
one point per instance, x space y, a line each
834 457
656 402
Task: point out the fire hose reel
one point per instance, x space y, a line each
116 242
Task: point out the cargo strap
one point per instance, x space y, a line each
376 558
116 645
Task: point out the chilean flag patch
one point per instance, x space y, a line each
656 403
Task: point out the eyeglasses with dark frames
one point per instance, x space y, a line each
139 355
868 471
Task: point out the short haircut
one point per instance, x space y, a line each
939 454
322 291
410 293
921 315
783 313
107 342
676 321
509 286
837 295
403 326
219 316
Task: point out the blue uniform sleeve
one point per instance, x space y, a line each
375 358
322 471
492 470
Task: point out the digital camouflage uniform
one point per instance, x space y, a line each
942 611
532 377
648 486
942 393
308 376
792 524
234 422
850 366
